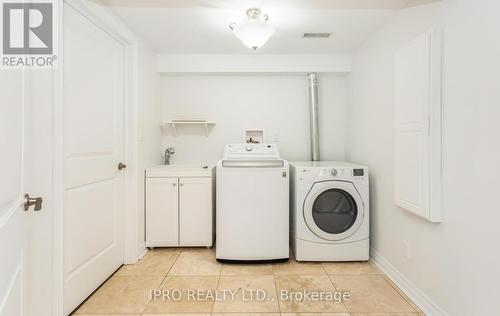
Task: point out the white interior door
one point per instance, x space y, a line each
26 251
38 182
93 147
13 223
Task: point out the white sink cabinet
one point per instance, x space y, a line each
179 206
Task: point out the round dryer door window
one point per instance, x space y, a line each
333 210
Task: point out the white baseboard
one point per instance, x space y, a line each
141 251
413 292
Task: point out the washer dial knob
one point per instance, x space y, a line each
334 172
248 148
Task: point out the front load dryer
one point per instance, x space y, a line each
329 211
252 207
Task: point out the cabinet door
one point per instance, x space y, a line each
162 209
417 115
195 211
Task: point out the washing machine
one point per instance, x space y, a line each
330 217
252 204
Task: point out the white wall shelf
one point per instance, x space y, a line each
174 123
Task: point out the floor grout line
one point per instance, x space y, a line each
335 290
216 288
276 284
162 280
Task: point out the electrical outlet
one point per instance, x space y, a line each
407 250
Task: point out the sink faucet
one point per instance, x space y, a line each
168 153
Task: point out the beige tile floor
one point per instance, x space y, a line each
128 291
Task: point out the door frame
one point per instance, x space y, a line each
110 24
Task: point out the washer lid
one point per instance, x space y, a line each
333 210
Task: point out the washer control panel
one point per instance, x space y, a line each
251 151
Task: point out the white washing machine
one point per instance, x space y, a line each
252 213
329 203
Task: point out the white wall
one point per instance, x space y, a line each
453 264
276 103
253 63
149 133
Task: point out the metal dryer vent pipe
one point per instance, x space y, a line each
313 115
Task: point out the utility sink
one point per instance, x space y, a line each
180 170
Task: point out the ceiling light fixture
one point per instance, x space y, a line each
254 31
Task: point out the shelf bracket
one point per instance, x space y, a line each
174 128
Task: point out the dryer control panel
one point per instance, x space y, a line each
335 173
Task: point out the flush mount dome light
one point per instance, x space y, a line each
254 31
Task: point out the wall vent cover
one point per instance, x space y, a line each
317 35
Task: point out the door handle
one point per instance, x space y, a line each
29 201
121 166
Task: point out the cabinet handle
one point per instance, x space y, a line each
182 184
174 184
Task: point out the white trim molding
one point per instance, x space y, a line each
429 307
141 251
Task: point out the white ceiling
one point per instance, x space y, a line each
201 26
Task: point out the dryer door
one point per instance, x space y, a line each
333 210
